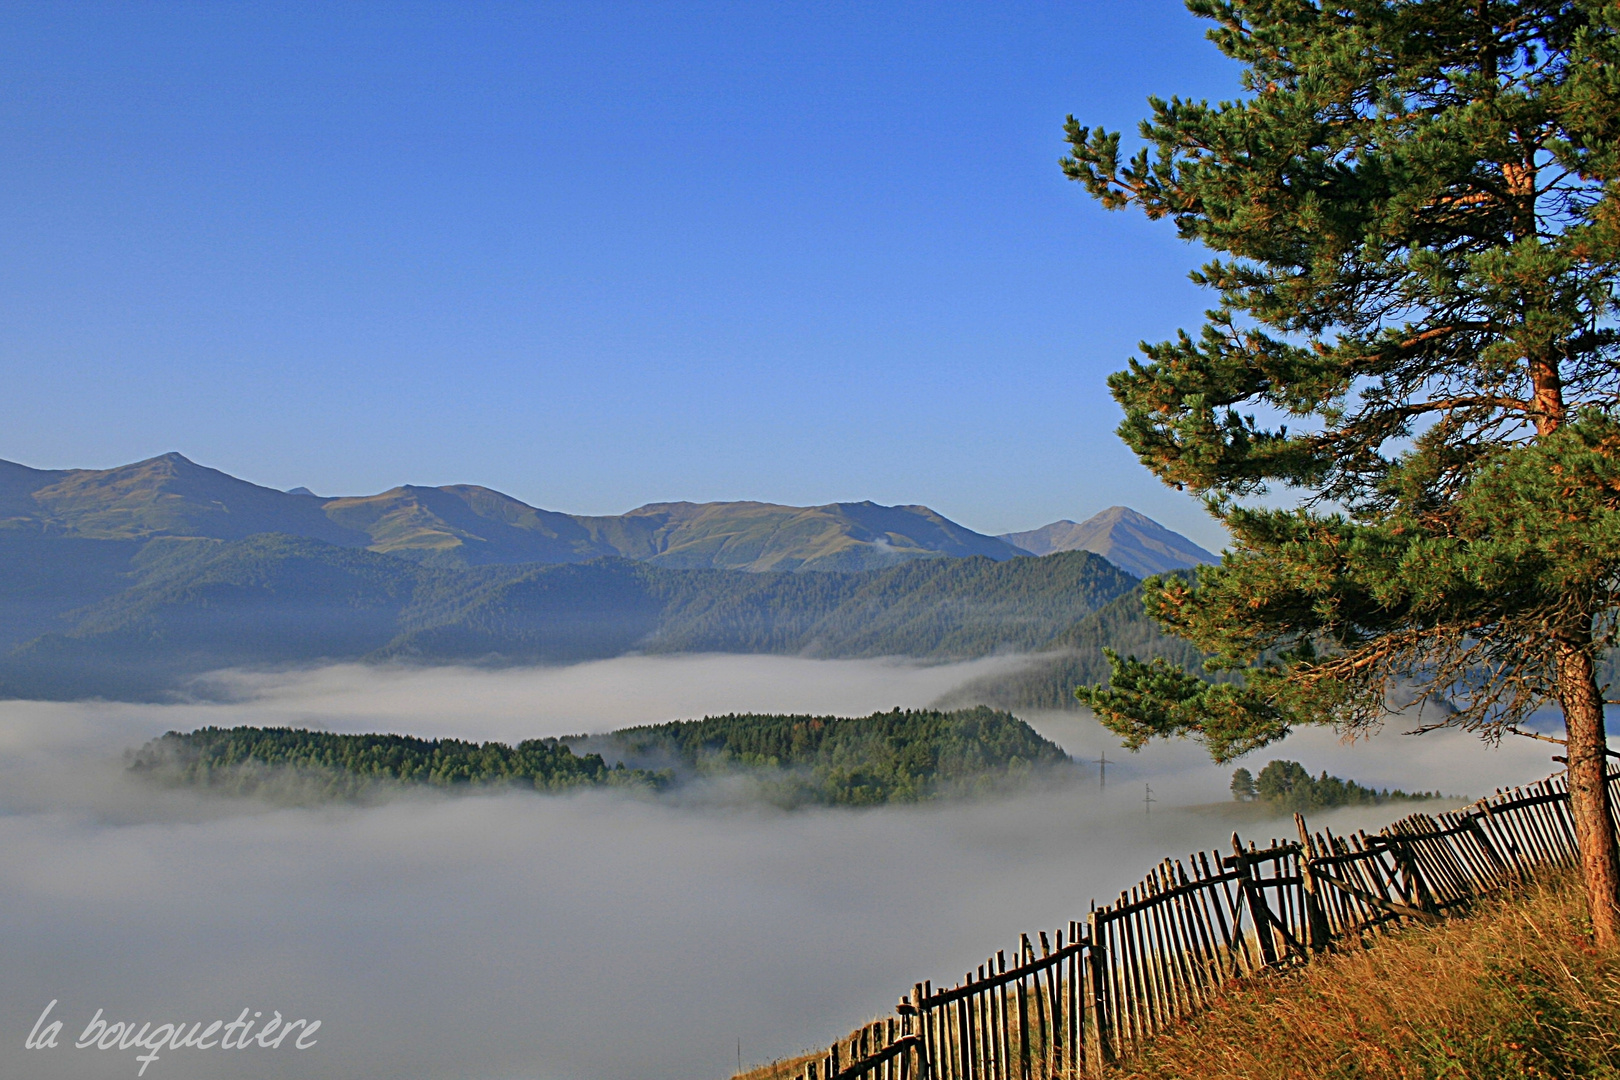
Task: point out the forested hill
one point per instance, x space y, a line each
900 756
1076 657
132 619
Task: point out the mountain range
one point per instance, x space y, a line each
464 525
131 582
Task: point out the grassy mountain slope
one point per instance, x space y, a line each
1120 535
466 525
764 536
18 507
171 496
1514 990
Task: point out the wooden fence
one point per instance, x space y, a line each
1070 1003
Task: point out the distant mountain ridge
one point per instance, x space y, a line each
468 525
1130 540
134 620
129 582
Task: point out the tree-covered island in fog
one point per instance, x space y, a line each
899 756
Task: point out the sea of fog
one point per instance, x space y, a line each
595 935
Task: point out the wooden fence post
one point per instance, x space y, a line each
1317 933
1259 913
1498 863
1419 890
925 1066
1099 1037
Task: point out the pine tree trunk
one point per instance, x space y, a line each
1589 790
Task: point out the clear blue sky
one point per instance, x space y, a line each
591 255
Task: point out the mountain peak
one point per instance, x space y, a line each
1127 538
173 462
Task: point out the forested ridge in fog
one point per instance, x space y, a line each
134 620
905 755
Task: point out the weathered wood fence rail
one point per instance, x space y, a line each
1070 1003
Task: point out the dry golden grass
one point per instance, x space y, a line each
785 1069
1515 990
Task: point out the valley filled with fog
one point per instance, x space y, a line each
603 934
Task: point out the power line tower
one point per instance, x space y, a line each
1102 770
1148 800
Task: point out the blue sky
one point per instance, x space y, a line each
590 255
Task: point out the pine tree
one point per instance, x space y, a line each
1243 789
1414 205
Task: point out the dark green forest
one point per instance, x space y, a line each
120 619
899 756
1075 657
318 765
1289 787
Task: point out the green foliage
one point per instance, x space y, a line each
1287 786
247 760
1243 789
943 608
1414 210
1079 656
900 756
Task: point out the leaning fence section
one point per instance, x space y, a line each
1007 1021
1069 1003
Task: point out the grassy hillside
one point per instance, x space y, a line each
764 536
462 525
1515 991
1122 536
902 756
163 496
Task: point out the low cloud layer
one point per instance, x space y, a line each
595 935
